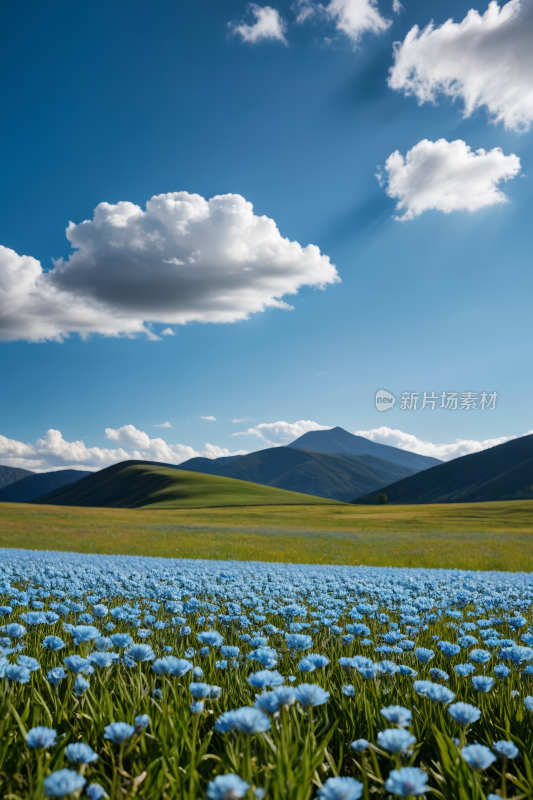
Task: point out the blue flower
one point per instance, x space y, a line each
157 694
505 749
387 667
141 722
81 685
266 656
18 674
227 786
229 651
56 675
14 630
407 781
121 639
268 703
407 671
198 673
395 740
103 660
311 694
310 662
298 641
479 656
478 756
185 630
197 708
247 720
77 664
84 633
41 738
140 652
501 671
360 745
516 654
448 649
199 690
340 789
170 665
53 643
424 655
62 783
464 669
103 643
211 638
482 683
221 664
397 715
464 714
118 732
528 702
30 663
80 753
100 611
438 675
95 792
348 690
439 694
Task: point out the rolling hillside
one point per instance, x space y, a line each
35 484
336 476
9 475
337 440
504 472
136 484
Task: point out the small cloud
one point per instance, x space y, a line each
211 419
397 6
268 25
162 425
244 419
168 332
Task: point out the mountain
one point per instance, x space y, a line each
136 484
337 440
36 484
504 472
9 475
335 476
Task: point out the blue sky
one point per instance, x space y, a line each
111 102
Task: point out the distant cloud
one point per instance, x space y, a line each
162 425
53 452
352 18
484 60
211 419
446 176
445 452
281 433
244 419
125 273
268 25
168 332
397 6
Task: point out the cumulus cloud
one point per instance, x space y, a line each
53 452
268 25
350 17
211 419
445 452
446 176
485 60
162 425
275 434
184 259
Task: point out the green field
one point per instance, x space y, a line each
466 536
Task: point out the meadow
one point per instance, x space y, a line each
463 535
152 678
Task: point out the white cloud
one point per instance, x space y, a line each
484 61
244 419
211 419
446 176
350 17
122 276
168 332
397 6
162 425
445 452
268 25
281 433
52 452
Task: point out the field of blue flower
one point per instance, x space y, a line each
152 678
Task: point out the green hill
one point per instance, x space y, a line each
136 484
337 476
503 472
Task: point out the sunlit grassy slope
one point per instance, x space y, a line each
468 536
134 484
